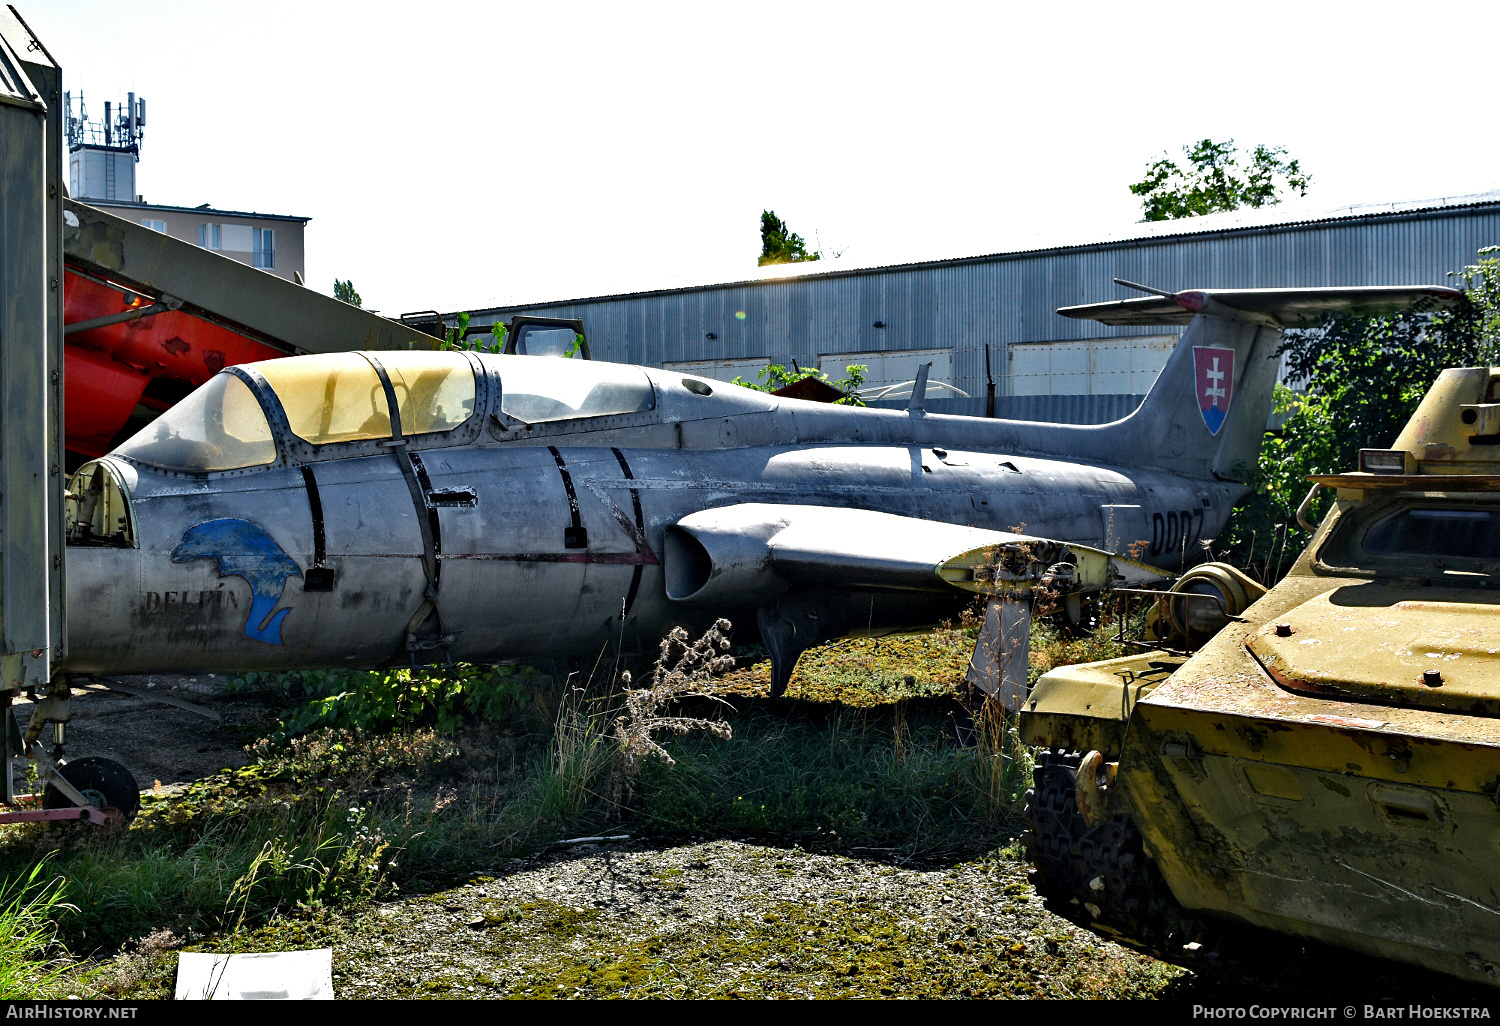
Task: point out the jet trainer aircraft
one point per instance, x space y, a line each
363 509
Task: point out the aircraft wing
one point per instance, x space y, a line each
791 562
1286 306
752 553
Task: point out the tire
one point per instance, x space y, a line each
1101 878
104 782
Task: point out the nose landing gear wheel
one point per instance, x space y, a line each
104 782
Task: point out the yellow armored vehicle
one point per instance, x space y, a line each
1327 764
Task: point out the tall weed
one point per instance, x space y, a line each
30 965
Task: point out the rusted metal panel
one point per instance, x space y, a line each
1329 767
29 457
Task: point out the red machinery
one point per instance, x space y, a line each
150 361
148 318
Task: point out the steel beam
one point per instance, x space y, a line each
282 313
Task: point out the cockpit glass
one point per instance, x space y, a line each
331 397
338 397
434 391
219 426
546 340
1460 533
538 389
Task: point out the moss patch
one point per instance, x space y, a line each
866 672
724 919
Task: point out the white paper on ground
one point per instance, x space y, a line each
272 976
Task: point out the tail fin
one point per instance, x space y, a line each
1206 414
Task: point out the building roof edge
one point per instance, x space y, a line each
128 205
1132 242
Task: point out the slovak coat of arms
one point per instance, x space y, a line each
1214 382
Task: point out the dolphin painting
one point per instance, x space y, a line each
242 549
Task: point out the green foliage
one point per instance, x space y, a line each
29 905
779 244
459 338
776 376
344 292
1481 281
1363 378
325 821
386 699
1216 179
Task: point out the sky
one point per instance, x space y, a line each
456 156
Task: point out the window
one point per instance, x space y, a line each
219 426
1427 533
264 247
536 389
155 226
209 237
338 397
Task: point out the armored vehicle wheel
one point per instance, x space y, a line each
1101 878
104 782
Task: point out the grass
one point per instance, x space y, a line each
32 964
875 754
899 779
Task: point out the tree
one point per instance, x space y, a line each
1218 179
779 244
1363 378
344 292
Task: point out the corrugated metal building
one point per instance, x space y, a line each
830 314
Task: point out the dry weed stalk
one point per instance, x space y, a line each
682 670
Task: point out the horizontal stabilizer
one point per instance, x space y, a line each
1286 307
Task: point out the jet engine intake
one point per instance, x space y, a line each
724 561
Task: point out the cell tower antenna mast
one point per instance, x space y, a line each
102 154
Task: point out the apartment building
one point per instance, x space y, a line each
271 242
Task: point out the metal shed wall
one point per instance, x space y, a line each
1009 298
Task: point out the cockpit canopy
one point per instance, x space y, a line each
540 390
339 397
219 426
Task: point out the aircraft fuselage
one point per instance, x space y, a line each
541 549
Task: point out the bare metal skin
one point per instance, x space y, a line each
558 538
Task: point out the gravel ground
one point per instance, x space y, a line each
733 919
